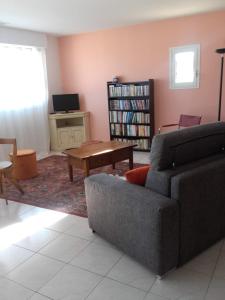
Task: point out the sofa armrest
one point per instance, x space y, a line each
200 193
142 223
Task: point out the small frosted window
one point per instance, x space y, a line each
184 67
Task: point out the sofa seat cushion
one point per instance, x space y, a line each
160 181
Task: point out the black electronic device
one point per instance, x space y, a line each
66 102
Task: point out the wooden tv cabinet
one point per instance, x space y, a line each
68 130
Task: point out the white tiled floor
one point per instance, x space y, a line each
50 255
141 157
60 258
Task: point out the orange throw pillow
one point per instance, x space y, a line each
138 175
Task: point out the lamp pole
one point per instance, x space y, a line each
221 52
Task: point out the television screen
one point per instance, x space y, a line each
66 102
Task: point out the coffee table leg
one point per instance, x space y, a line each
86 172
70 172
86 168
131 164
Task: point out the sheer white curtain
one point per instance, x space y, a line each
24 97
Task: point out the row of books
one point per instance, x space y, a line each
125 90
130 130
129 104
142 144
129 117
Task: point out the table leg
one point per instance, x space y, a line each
86 168
1 183
70 172
131 164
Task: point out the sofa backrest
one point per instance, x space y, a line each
183 146
183 150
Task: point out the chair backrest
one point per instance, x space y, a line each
10 141
188 120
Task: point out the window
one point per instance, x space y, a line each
24 97
22 77
184 67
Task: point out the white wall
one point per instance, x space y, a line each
53 68
22 37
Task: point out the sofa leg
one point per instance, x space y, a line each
160 277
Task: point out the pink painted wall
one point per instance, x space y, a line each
141 52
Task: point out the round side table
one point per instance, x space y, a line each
25 166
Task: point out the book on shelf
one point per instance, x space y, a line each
129 117
142 104
142 144
130 130
131 90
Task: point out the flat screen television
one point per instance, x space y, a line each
65 102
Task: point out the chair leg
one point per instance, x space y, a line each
1 187
1 183
16 184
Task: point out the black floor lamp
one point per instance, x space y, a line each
221 51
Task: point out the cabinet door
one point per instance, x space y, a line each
77 136
64 140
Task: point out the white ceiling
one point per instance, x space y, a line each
63 17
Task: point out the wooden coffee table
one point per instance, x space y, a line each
98 155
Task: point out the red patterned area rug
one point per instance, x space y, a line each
52 189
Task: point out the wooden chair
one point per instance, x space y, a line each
6 167
184 121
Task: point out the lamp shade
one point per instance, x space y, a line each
221 50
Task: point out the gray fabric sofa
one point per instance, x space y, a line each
181 210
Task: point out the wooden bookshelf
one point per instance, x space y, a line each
131 112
